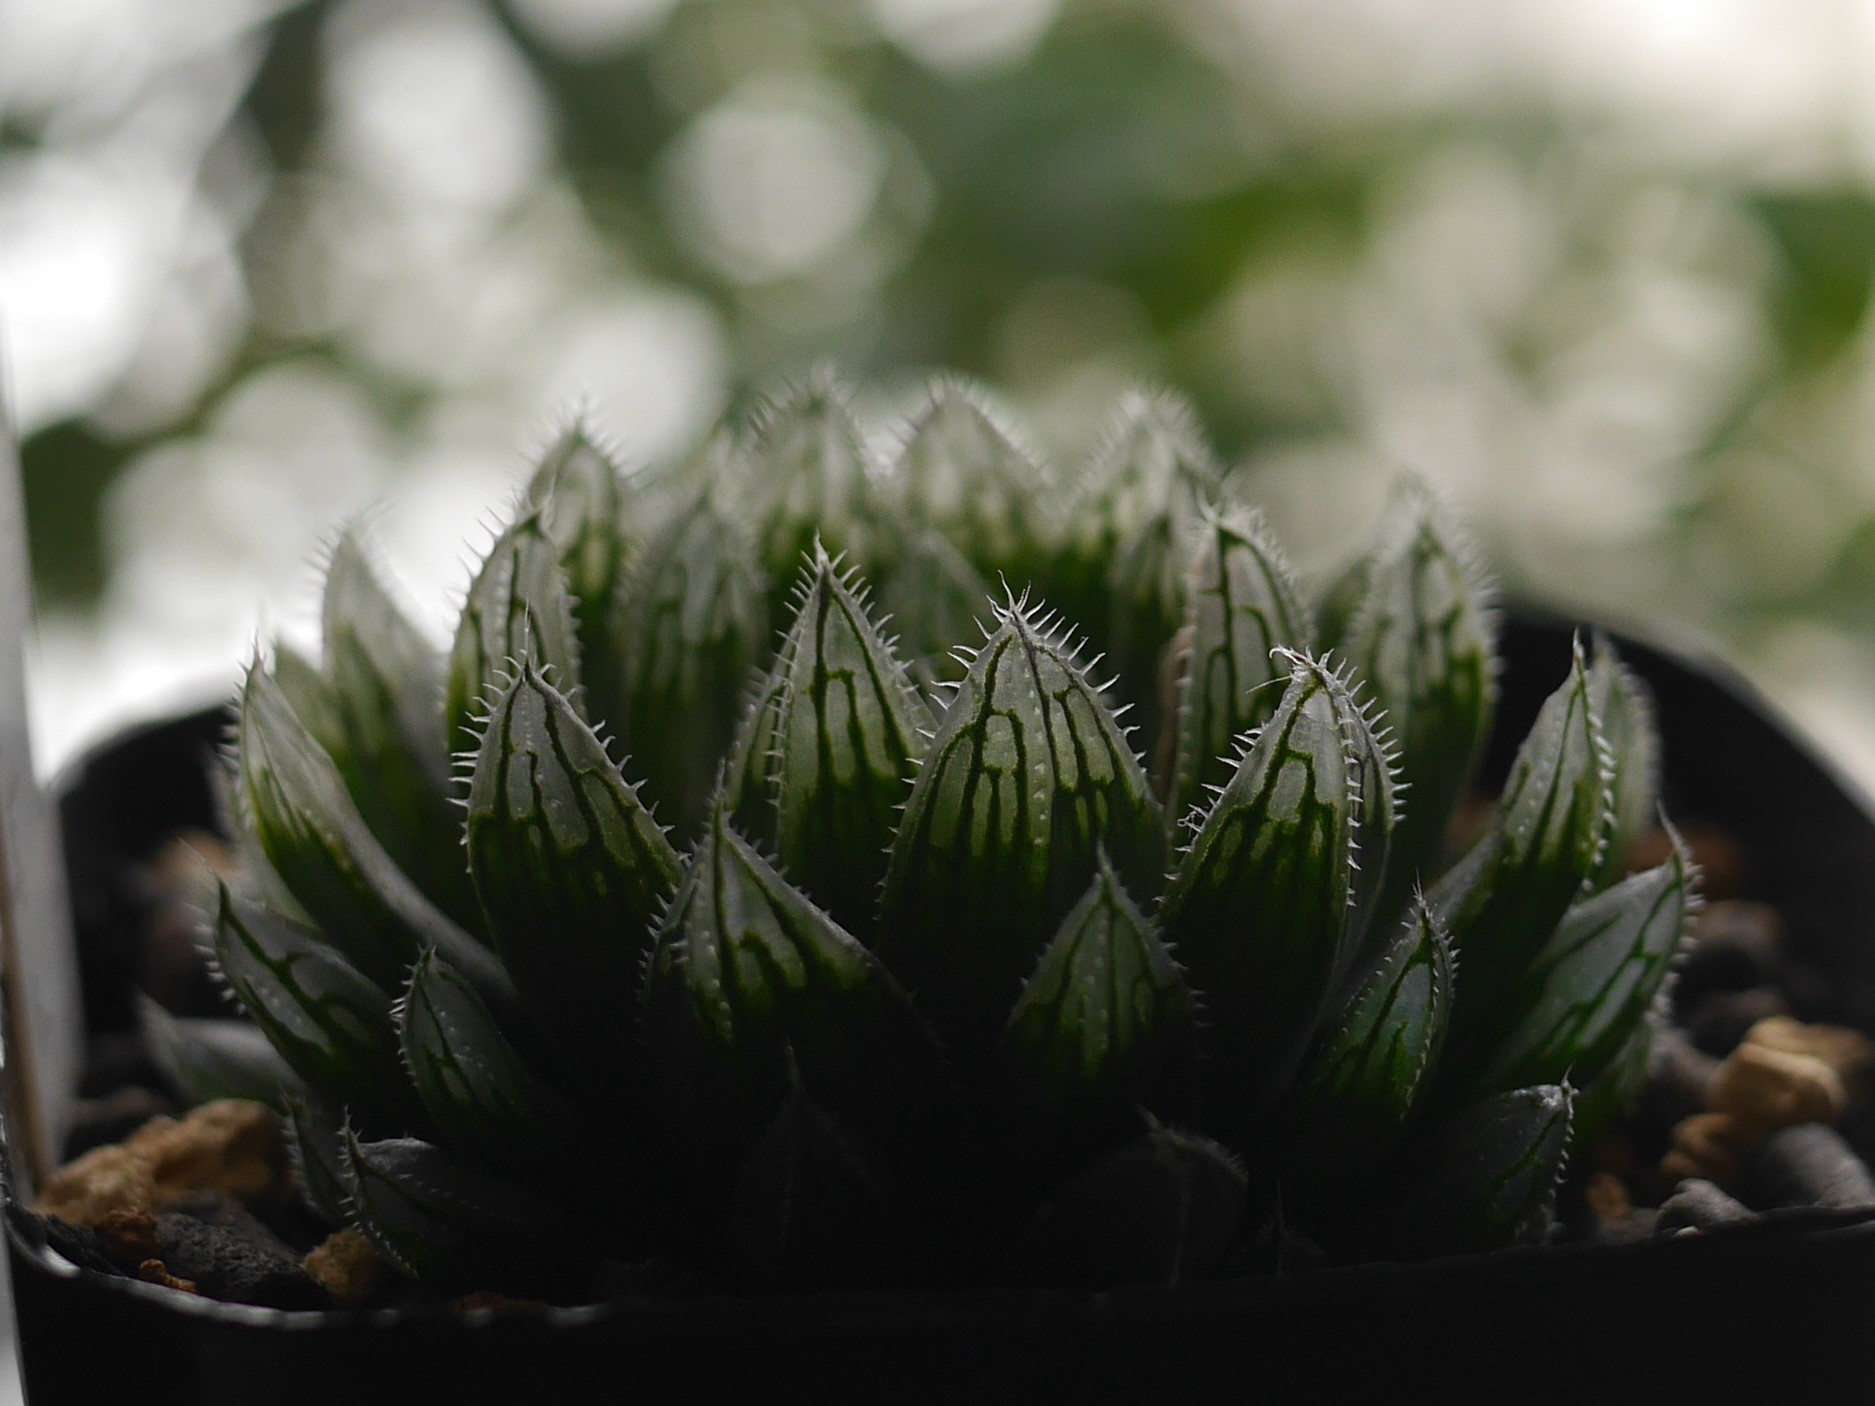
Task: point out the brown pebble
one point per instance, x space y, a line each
1849 1052
154 1271
1707 1146
129 1237
1608 1197
231 1145
348 1267
103 1181
1765 1089
485 1301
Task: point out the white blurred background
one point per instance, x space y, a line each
1602 269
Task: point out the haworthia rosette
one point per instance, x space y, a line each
1028 774
570 865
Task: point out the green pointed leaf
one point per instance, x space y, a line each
1611 1095
752 773
1363 1079
933 597
1591 985
1505 898
571 867
849 731
1263 906
214 1059
1423 641
809 480
1105 1027
386 690
313 838
311 698
745 970
328 1021
315 1139
455 1228
1244 604
695 623
814 1210
962 474
1483 1175
481 1097
518 608
580 495
1029 772
1626 709
1161 480
1162 1210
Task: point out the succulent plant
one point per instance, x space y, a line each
746 937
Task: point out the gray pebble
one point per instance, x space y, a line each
1808 1165
1699 1205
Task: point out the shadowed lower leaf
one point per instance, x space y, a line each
1260 906
1164 1209
1363 1079
1104 1028
1486 1174
571 868
212 1059
1028 773
1587 991
747 969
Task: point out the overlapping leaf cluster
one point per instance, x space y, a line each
744 938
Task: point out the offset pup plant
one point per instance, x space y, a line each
684 918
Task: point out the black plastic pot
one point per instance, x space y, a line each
1783 1304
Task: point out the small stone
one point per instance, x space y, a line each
347 1267
1678 1077
1733 946
231 1256
1608 1197
1696 1205
1719 1022
128 1237
154 1271
231 1146
1707 1146
1849 1052
104 1180
1766 1089
1809 1165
